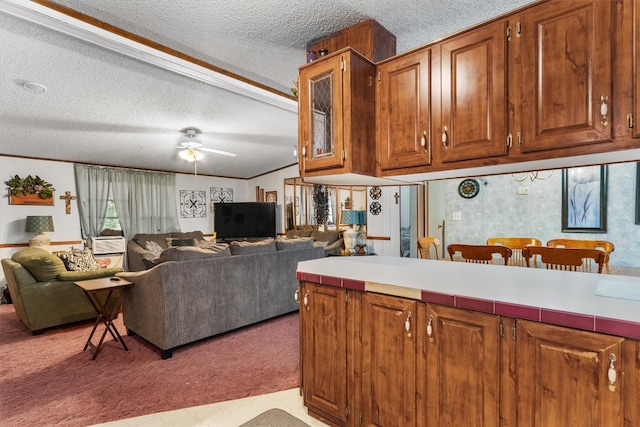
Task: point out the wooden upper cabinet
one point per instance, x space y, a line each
566 74
388 361
563 377
633 121
337 115
462 368
324 351
473 122
403 111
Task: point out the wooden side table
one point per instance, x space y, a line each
114 290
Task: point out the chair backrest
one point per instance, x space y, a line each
603 245
482 254
516 244
424 247
566 258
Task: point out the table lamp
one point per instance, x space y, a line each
361 239
351 218
39 225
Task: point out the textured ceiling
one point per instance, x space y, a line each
107 108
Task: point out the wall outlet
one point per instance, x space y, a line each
523 191
457 216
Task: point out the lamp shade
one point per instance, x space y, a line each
39 224
362 217
349 217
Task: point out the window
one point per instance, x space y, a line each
111 220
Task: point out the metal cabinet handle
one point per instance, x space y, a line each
423 140
612 375
296 295
305 300
629 122
407 325
430 328
445 138
604 110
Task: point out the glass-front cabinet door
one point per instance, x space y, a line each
321 115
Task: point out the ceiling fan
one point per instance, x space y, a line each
192 147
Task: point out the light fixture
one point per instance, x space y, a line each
34 87
531 175
39 225
191 146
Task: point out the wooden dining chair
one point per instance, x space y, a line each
566 258
479 254
602 245
516 244
424 247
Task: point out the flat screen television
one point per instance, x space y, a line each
244 220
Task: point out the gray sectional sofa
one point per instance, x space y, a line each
195 293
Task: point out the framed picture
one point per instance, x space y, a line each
271 196
638 193
584 199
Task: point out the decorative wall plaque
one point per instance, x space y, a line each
193 204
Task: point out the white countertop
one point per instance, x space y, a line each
567 291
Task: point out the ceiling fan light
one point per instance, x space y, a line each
191 155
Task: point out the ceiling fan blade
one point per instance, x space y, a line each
213 150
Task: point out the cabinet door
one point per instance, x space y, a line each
567 69
388 360
462 367
403 111
321 114
474 101
562 377
324 354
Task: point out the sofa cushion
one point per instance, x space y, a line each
183 253
244 248
294 244
298 233
154 248
325 236
160 239
212 246
197 235
180 241
42 265
79 260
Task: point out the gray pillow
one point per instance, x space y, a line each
184 241
298 233
244 248
294 244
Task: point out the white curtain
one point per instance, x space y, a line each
145 201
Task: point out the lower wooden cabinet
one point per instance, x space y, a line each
323 330
563 377
459 373
378 360
388 354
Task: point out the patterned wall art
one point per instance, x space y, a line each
193 204
221 195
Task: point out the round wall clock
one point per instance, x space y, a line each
469 188
375 192
375 208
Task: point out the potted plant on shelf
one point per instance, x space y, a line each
347 203
30 191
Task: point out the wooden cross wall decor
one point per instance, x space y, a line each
67 201
397 197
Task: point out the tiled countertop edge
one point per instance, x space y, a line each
538 314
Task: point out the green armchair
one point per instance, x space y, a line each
43 291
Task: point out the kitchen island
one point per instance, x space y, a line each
403 341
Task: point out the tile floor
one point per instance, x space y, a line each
231 413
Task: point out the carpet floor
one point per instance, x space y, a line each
48 379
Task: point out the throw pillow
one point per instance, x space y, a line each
160 239
188 235
154 248
244 248
294 244
174 241
79 260
325 236
42 265
298 233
